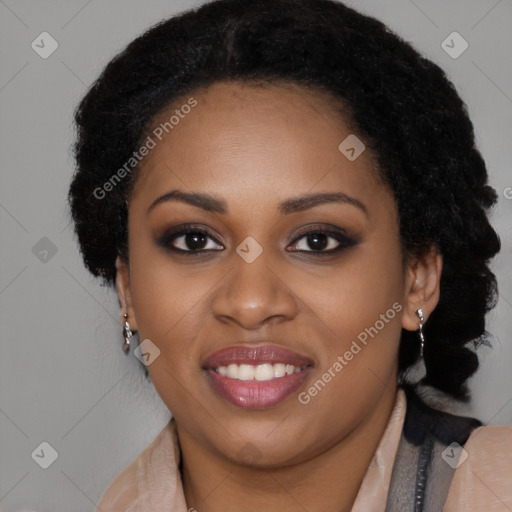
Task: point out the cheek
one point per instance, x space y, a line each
352 295
361 304
165 294
358 306
168 304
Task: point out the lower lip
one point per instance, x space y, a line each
253 394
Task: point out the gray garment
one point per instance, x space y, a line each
421 477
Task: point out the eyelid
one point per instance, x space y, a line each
324 228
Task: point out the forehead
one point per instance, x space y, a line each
254 142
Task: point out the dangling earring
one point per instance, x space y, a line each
419 312
127 334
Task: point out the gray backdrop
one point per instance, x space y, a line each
63 378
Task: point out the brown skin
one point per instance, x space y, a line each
254 147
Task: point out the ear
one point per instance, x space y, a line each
422 287
124 292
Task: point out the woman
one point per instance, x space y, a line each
290 203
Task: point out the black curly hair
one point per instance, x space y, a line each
401 105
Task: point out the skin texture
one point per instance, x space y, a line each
254 147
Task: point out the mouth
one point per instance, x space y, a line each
256 377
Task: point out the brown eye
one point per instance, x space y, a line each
189 239
193 241
322 242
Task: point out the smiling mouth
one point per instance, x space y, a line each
256 377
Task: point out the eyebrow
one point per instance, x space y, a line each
210 203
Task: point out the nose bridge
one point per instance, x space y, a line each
253 292
252 279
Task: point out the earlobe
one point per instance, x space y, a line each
124 293
422 288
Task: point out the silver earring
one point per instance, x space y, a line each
422 338
127 334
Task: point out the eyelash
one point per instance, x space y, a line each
168 238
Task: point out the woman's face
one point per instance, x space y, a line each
254 170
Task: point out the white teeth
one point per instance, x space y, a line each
264 372
232 371
261 372
279 370
246 372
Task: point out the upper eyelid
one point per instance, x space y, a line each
299 233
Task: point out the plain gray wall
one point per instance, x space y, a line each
63 377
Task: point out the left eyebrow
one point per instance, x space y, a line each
294 204
301 203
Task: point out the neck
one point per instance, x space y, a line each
328 481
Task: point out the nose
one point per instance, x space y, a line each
253 294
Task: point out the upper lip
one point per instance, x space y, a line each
255 355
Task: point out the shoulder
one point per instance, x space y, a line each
483 480
122 492
127 489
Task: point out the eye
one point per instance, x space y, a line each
189 240
321 241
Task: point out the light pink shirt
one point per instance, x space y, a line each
482 483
